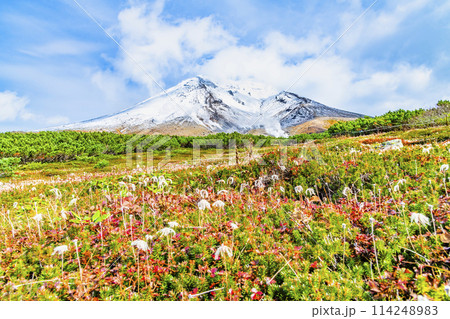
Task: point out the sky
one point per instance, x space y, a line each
58 66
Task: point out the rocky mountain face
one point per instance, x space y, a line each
198 106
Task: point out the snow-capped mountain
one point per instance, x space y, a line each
198 106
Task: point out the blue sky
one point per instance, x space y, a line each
57 66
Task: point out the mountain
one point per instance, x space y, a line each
198 106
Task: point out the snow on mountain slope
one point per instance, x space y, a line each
290 109
199 102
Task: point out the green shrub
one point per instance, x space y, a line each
101 164
8 166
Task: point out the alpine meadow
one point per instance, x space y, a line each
163 150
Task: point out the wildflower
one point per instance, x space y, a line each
401 181
444 168
259 183
420 219
219 204
204 204
149 237
282 189
396 188
372 220
274 177
73 201
230 180
173 224
234 226
255 293
346 191
222 251
283 168
140 244
203 193
63 214
75 241
344 226
310 192
162 183
427 149
15 205
243 185
166 231
38 217
221 181
422 298
447 289
298 189
60 249
223 191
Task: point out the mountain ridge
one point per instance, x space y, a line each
210 108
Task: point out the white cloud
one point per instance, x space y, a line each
12 106
162 47
176 49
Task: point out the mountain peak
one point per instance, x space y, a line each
196 81
200 106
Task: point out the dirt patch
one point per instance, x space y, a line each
317 125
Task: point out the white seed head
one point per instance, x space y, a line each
60 249
298 189
347 191
56 192
222 251
38 217
166 231
218 204
420 219
204 204
140 244
234 226
203 193
173 224
73 201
